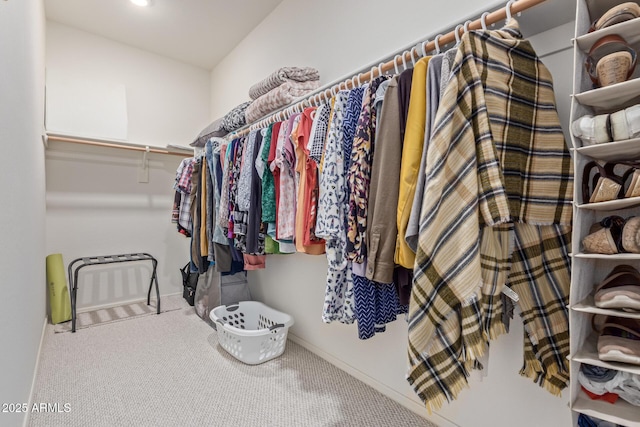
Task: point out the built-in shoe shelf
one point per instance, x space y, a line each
587 268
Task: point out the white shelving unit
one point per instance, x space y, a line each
590 269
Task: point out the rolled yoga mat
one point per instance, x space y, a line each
58 289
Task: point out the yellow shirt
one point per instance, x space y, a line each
411 156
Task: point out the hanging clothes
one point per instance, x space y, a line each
404 96
376 304
314 150
359 176
219 242
331 219
434 74
385 181
284 165
498 192
307 170
183 186
411 155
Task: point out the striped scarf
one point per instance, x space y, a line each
496 214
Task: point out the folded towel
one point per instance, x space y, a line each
279 97
280 76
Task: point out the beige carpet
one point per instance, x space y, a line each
104 316
169 370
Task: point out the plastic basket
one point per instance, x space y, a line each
251 331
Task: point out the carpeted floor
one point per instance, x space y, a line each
168 370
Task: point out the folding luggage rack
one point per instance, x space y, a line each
109 259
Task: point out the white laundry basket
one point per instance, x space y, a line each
251 331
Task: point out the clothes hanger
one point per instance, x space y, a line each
404 61
483 20
424 45
508 8
395 64
465 28
413 61
380 69
457 30
437 42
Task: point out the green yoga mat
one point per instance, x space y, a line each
58 290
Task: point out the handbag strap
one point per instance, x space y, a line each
185 272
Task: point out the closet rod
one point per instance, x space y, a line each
512 8
113 144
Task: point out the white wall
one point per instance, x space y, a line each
296 283
22 253
95 204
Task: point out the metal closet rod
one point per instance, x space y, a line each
115 144
511 8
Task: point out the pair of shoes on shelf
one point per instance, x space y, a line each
619 337
620 289
618 126
613 235
619 340
607 185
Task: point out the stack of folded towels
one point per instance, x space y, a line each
282 87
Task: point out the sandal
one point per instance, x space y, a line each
617 14
605 237
605 183
620 289
619 340
630 238
633 189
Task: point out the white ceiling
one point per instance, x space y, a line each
198 32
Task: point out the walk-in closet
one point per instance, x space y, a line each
320 213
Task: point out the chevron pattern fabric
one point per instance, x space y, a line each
376 304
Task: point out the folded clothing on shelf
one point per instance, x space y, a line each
215 129
587 421
601 381
618 126
279 97
280 76
235 118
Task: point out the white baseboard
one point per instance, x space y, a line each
119 303
392 394
25 423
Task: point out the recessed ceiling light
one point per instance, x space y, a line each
141 3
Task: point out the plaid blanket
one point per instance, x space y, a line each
280 76
496 213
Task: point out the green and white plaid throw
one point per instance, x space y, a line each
496 212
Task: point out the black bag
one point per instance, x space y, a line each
189 284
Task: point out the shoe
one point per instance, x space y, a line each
605 184
610 60
617 14
620 289
605 237
618 126
619 340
